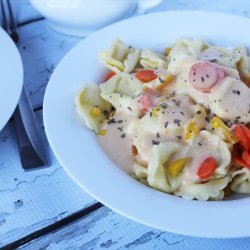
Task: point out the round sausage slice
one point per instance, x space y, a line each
204 75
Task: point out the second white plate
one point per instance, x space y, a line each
11 77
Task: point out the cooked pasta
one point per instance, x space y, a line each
180 118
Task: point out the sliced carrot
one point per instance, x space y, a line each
207 168
146 75
109 75
241 133
237 156
246 130
246 157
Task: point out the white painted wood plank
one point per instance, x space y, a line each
41 49
32 200
24 11
105 229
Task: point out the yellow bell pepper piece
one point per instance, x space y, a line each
192 131
155 112
95 112
167 51
176 167
169 79
217 123
103 132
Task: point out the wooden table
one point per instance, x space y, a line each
45 209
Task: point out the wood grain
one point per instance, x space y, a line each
32 200
105 229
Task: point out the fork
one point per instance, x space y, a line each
31 148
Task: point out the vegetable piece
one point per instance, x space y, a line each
191 131
167 51
168 80
217 123
246 157
109 75
204 75
175 167
237 156
241 132
134 150
207 168
95 112
146 75
102 132
146 100
155 111
145 103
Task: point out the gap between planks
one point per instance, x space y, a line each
58 225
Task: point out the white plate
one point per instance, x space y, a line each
11 77
79 153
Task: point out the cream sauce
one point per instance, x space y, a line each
116 143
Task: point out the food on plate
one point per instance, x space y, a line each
177 121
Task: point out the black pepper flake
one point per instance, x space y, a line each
158 135
238 117
207 118
129 108
213 60
110 121
120 128
199 143
155 142
164 105
237 92
177 121
105 112
161 80
121 95
166 124
198 112
202 79
123 136
178 137
207 76
150 113
120 121
182 113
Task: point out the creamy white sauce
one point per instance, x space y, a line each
117 146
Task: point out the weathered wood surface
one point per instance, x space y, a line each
31 201
105 229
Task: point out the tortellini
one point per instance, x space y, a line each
86 100
222 56
123 84
120 57
241 181
175 120
152 60
212 190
